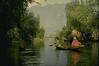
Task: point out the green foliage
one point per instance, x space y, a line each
79 17
11 12
41 33
29 25
95 23
14 34
82 18
29 29
38 42
65 33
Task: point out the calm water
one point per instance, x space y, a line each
47 55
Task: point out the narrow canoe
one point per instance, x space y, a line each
68 48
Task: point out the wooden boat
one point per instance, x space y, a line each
68 47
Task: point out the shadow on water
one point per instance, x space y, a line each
46 55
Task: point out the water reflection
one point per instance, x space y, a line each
95 53
75 57
87 57
47 55
52 57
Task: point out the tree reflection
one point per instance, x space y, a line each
87 57
75 57
95 53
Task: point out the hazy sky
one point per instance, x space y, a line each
52 14
49 2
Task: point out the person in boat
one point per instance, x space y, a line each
75 43
57 43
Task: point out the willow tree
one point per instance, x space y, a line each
11 12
